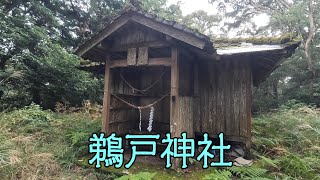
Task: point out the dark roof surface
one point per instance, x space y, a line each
173 24
223 46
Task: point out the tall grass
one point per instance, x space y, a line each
290 140
37 144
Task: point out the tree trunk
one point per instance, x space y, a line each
307 45
275 88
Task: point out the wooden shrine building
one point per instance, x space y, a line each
188 82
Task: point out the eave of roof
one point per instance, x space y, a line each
246 49
255 44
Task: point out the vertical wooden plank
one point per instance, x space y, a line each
236 98
132 57
232 123
106 98
143 56
228 127
186 115
196 79
204 96
212 96
220 99
196 99
185 81
243 113
249 105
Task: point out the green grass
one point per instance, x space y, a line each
37 144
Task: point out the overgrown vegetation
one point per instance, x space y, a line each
38 144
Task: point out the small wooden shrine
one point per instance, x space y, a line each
161 77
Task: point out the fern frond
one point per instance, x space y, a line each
267 162
218 175
252 172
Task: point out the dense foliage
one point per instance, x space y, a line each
37 40
37 37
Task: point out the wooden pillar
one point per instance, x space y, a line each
106 98
175 125
174 93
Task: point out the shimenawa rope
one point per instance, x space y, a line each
146 89
146 106
141 107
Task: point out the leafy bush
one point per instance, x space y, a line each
30 119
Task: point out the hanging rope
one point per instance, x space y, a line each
140 118
141 107
151 119
146 89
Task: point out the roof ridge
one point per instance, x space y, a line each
158 18
283 39
132 9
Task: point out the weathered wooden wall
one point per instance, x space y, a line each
186 95
213 96
133 34
225 95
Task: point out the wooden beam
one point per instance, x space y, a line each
118 63
159 62
143 56
152 44
170 31
106 98
152 62
102 35
132 57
